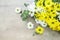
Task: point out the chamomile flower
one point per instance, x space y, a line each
59 17
37 21
58 13
40 9
30 25
31 14
18 10
42 23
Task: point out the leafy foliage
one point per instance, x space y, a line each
25 14
25 4
36 1
56 1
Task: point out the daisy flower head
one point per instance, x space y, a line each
58 7
30 25
31 14
58 17
58 13
48 3
39 30
39 3
40 9
37 21
53 14
42 23
18 10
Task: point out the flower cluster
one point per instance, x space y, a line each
49 15
46 13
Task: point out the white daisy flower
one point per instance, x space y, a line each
58 13
18 10
37 21
59 17
42 23
30 25
40 9
31 14
31 7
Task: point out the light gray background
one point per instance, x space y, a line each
13 28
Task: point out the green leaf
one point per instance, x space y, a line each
25 14
36 0
56 1
25 4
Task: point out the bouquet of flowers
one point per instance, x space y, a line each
46 13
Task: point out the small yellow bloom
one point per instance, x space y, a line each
53 6
39 3
39 30
49 9
37 15
58 7
53 24
48 3
53 14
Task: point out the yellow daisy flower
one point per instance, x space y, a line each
47 9
53 21
39 3
39 30
53 5
48 3
53 14
37 15
53 24
58 7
